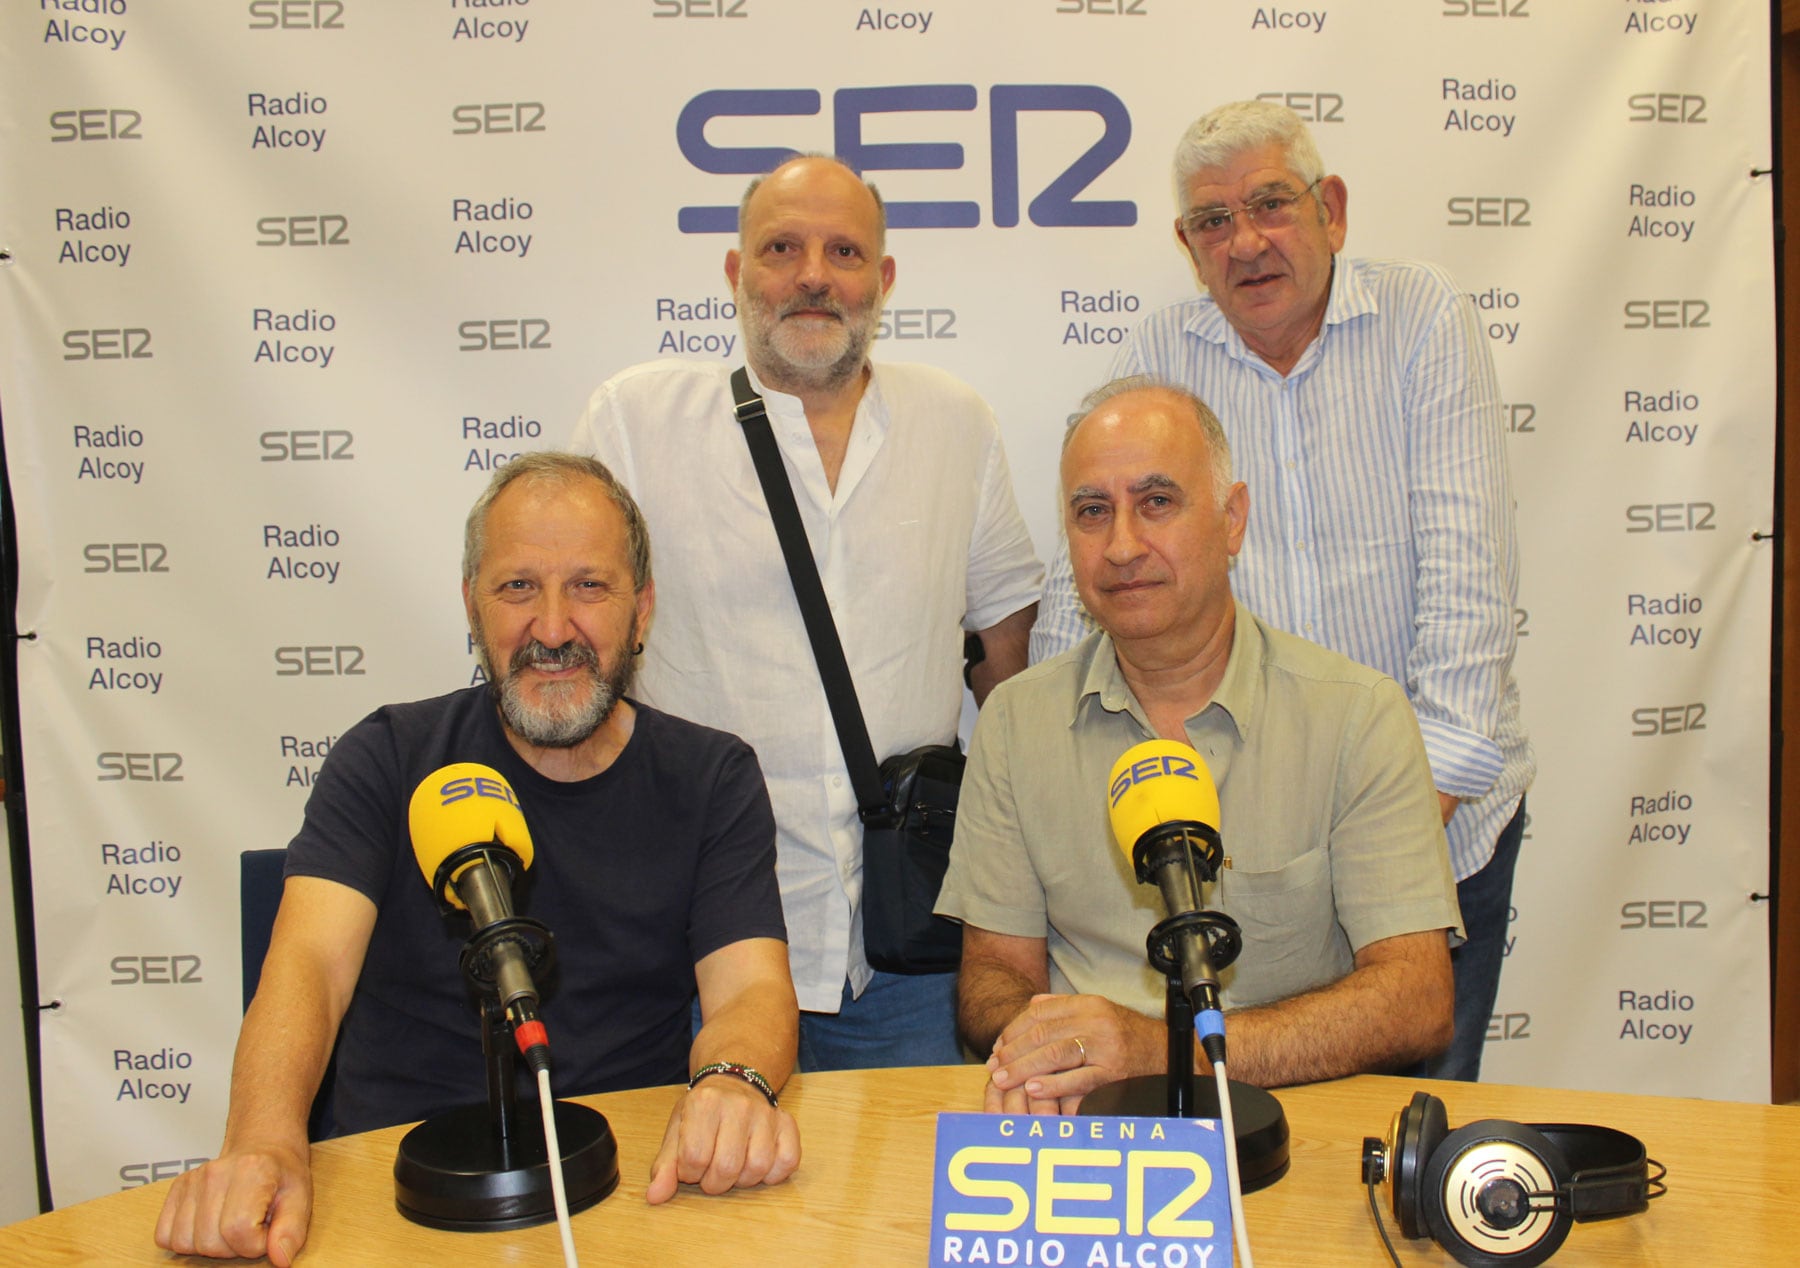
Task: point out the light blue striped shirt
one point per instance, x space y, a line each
1381 514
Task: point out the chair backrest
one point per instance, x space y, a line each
259 895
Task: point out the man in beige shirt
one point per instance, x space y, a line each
1335 867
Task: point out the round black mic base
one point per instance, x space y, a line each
1257 1117
453 1172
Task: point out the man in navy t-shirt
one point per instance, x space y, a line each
654 866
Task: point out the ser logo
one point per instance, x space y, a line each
296 15
327 229
146 768
1489 212
1487 8
468 786
156 970
1667 107
1670 517
917 323
498 116
1314 107
116 343
1664 913
1503 1026
307 446
95 125
125 557
1667 314
1147 768
503 334
133 1174
698 9
1118 8
1668 719
1155 1187
319 661
1055 205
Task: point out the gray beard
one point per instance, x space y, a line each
781 369
568 719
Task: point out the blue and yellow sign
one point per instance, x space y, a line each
1043 1192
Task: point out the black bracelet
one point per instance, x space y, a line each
736 1071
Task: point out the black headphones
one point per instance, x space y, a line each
1503 1195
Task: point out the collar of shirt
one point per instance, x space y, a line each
793 435
1350 297
1239 696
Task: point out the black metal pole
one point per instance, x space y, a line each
1179 1013
18 834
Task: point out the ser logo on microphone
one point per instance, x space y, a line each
1148 768
462 789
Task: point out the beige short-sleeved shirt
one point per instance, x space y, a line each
1330 824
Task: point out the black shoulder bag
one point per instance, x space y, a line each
907 804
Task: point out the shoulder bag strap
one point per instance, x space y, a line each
828 651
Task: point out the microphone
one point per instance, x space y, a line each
470 840
471 1167
1164 809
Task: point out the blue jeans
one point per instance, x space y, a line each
901 1019
1486 901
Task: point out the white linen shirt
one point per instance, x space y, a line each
920 541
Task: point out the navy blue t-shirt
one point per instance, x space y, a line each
639 872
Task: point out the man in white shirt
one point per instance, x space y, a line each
903 488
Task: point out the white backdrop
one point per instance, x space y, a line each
287 277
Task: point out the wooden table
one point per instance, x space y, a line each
863 1193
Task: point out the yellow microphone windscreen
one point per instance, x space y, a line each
464 803
1156 782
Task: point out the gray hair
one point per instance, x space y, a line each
1218 447
557 469
1220 135
756 184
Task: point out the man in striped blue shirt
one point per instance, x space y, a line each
1364 413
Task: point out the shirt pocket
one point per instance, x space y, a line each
1288 916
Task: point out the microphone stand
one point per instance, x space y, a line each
1178 1014
502 1086
1260 1125
479 1167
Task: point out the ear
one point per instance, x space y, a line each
887 275
646 607
469 607
1334 196
1237 517
734 265
1188 249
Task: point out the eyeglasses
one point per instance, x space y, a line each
1212 226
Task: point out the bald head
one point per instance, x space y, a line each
810 276
1178 399
1151 535
824 171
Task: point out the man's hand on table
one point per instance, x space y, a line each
1061 1047
245 1203
724 1134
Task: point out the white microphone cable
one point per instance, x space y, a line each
553 1153
1231 1167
